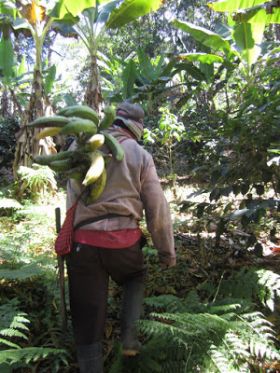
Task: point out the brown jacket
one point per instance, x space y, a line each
132 186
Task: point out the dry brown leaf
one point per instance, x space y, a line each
108 330
33 12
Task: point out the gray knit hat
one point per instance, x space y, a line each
132 115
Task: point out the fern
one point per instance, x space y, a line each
14 327
248 345
168 301
37 180
270 284
28 354
214 337
253 285
219 362
22 273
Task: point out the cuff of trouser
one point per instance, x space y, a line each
168 260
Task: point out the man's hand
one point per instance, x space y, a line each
166 261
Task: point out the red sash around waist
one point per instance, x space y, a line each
119 239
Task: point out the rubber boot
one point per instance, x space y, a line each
133 292
90 359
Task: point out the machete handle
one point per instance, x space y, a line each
57 219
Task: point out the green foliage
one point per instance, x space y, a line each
50 79
130 10
169 133
254 11
47 348
129 76
242 167
245 44
62 8
37 181
169 130
223 336
248 38
14 327
142 78
6 58
235 123
23 241
225 121
228 334
22 273
234 5
261 286
206 37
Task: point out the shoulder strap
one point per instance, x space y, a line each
97 218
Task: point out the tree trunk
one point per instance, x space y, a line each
17 108
5 104
93 96
27 145
36 108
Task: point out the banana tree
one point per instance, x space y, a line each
34 18
39 19
90 29
138 78
93 23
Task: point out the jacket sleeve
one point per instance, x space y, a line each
157 214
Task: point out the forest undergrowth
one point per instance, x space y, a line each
216 311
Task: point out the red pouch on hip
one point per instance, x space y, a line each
64 240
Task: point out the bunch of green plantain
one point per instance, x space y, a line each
87 163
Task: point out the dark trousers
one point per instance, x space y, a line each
88 270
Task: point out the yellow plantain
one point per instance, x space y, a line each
50 131
96 168
98 187
95 142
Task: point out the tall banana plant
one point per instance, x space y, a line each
90 28
39 19
35 18
94 22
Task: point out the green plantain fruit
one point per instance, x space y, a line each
45 160
61 165
80 111
77 126
53 121
114 146
108 119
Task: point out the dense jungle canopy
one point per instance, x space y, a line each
208 77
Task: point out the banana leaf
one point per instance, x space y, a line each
131 10
234 5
